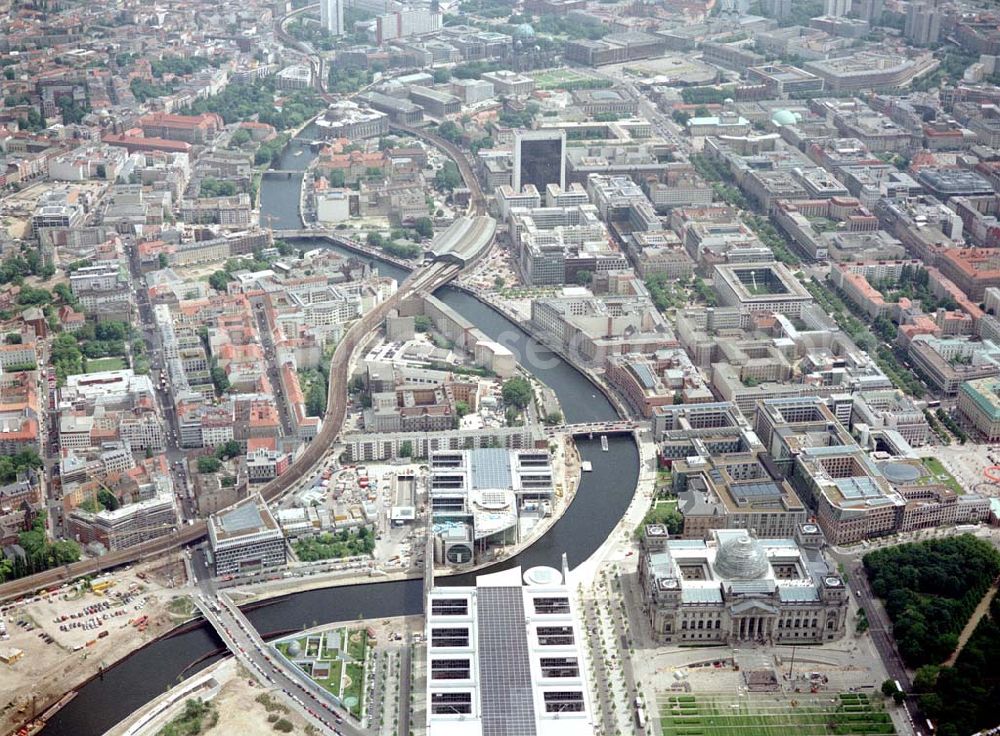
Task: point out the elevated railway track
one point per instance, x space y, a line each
425 279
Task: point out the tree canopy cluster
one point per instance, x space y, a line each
11 465
517 392
963 699
335 545
39 553
216 188
930 589
15 268
239 102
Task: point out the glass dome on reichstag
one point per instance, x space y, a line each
741 558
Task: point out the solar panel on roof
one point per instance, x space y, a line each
490 468
507 702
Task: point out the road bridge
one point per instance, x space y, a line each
594 428
313 702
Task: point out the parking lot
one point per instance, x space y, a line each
66 635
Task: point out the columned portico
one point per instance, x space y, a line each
752 627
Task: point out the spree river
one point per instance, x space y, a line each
600 502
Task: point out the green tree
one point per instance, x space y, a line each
448 177
584 277
517 392
406 449
228 450
316 399
450 131
220 379
108 500
424 227
925 678
216 188
219 280
161 259
31 296
553 418
462 408
240 138
12 338
208 464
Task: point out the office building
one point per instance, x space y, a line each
836 8
946 363
760 287
331 16
246 537
852 498
539 159
737 490
870 10
923 22
979 402
507 658
736 587
406 22
126 526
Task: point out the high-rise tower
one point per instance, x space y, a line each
331 16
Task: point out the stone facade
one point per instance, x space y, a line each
736 587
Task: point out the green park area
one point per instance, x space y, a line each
96 365
568 79
940 474
849 714
336 659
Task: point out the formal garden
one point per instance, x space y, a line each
336 659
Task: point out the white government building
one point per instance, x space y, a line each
506 659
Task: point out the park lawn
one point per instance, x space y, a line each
942 475
356 649
556 78
96 365
332 683
356 687
726 715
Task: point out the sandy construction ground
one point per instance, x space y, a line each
105 628
239 710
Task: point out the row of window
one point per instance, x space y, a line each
548 636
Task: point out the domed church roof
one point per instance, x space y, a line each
784 117
741 558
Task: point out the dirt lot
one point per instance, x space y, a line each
49 669
239 710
